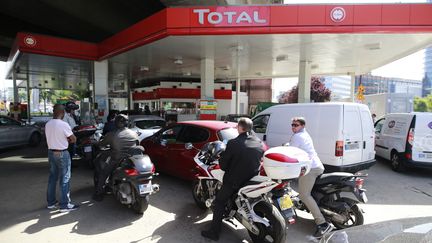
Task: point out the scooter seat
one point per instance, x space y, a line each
256 180
331 177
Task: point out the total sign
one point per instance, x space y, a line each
230 16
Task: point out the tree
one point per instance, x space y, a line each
319 93
423 104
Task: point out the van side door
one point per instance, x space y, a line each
260 126
380 149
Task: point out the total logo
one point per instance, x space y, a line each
30 41
337 14
231 17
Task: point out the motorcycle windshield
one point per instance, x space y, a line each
142 163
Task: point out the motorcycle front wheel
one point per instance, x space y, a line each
354 218
275 232
198 197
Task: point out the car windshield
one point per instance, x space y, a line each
150 124
227 134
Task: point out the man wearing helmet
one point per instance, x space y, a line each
240 161
70 108
120 141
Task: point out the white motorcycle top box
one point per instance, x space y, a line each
286 162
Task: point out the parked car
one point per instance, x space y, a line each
405 139
342 133
166 148
145 125
13 133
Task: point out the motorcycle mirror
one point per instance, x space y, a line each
188 146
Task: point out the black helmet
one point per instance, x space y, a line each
214 149
70 105
121 121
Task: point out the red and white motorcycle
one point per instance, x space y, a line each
251 206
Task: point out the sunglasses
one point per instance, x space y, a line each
295 125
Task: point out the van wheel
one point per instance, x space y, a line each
397 163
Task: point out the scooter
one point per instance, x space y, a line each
342 212
86 140
251 206
131 182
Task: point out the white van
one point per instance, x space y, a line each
342 133
405 139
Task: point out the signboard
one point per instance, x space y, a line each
230 16
208 109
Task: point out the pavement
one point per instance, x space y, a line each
398 203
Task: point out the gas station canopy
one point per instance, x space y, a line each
269 41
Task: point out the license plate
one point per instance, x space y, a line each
87 149
145 188
285 202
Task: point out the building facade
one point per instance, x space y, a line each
380 85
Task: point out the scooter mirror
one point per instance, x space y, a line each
188 146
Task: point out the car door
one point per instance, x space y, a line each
158 147
380 148
13 132
181 160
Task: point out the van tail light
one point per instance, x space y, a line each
411 136
339 148
359 183
408 155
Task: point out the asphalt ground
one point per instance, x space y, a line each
172 215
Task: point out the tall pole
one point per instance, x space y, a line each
28 97
238 82
15 88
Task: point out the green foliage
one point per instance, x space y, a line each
423 104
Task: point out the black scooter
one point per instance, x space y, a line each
131 182
342 212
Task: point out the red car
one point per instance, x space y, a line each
166 148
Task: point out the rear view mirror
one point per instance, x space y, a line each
188 146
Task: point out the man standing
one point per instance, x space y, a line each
240 161
301 139
59 135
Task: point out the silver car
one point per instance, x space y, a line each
13 133
145 125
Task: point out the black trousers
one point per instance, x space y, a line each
103 170
222 198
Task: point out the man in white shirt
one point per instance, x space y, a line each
59 135
301 139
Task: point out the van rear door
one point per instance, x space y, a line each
368 150
352 133
422 143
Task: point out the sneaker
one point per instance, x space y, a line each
53 206
70 207
98 197
323 229
210 234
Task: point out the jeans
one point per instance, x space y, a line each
60 169
222 198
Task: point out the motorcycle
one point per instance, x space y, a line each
86 140
342 212
251 206
131 182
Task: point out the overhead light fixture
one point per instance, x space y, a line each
144 68
281 58
373 46
258 73
314 66
120 75
236 47
187 74
178 61
226 68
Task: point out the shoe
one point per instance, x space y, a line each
98 197
77 157
70 207
322 229
210 234
53 206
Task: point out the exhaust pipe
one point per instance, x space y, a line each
335 216
155 188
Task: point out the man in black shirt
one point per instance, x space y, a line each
240 161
